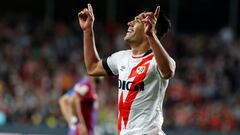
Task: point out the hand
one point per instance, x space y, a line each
86 18
82 129
72 122
150 21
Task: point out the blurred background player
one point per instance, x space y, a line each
78 107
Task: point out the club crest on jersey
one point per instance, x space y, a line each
141 69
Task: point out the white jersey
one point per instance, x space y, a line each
141 93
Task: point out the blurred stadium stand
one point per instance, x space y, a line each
41 58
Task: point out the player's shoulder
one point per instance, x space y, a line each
122 53
126 51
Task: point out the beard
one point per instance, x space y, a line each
127 36
130 37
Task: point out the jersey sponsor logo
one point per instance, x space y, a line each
127 85
125 106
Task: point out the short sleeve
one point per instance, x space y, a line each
110 64
156 69
70 92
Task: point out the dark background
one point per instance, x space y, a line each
195 16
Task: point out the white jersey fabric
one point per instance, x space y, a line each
141 92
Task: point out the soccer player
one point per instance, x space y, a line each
143 71
78 109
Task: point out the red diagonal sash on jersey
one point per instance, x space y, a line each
124 108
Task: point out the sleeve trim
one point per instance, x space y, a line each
160 73
106 67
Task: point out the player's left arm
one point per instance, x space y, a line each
66 109
166 65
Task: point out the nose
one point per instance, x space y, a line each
130 23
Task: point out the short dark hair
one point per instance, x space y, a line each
163 25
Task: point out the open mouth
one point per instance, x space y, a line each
130 31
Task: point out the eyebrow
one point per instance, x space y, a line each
137 18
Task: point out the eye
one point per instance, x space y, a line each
137 20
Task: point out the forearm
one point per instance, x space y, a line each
91 56
66 110
166 64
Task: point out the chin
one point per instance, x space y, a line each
129 38
126 38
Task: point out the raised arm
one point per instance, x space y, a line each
166 65
91 58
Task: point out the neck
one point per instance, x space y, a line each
140 49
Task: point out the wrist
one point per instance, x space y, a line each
87 30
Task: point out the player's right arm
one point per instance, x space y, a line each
92 61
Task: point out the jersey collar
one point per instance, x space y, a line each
145 54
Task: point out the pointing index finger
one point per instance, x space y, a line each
90 8
157 11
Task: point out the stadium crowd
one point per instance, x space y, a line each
40 62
